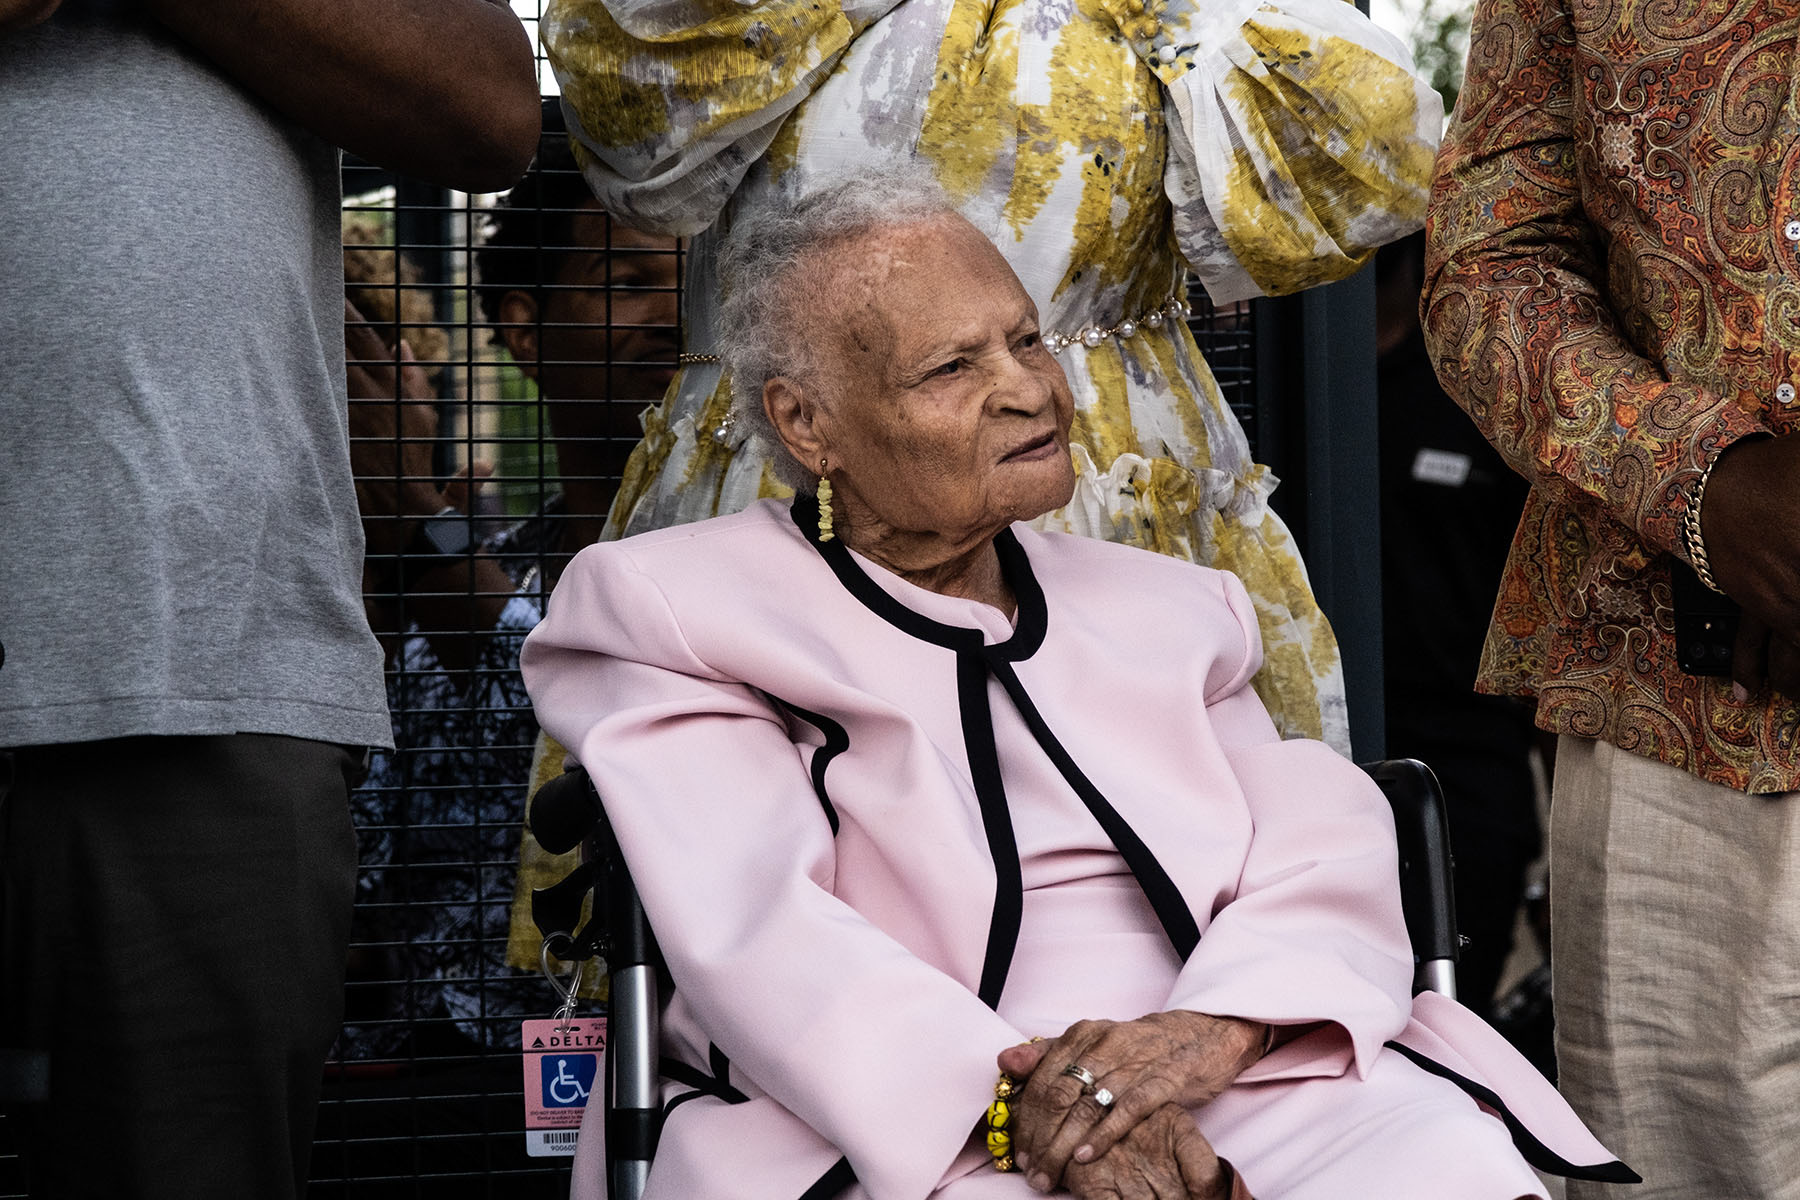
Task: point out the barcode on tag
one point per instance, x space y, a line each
551 1143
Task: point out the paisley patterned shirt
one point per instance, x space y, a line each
1106 145
1613 294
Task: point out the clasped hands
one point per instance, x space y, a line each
1144 1145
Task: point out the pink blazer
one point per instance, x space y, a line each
795 752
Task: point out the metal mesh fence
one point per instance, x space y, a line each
535 331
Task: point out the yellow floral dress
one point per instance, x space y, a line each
1108 146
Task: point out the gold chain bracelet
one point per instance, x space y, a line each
1690 529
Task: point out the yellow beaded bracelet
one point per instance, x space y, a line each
999 1121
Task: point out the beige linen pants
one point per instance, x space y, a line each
1675 930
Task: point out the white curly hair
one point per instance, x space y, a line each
764 295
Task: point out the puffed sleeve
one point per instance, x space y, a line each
1314 930
1300 138
886 1057
671 101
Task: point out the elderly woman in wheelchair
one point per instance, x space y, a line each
925 806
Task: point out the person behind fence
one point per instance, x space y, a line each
437 818
1613 293
1109 147
189 678
905 784
587 309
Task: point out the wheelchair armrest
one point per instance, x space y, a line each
1422 829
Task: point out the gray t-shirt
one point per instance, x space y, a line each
181 548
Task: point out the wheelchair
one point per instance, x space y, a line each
567 812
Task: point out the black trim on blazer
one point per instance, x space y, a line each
975 661
839 1177
1032 621
996 819
833 1181
716 1084
721 1066
972 701
1028 626
1029 630
837 740
1534 1151
1165 898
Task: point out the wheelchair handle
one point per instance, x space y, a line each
564 811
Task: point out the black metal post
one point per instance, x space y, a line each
1343 490
1317 429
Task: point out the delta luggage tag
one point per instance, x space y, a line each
563 1061
562 1069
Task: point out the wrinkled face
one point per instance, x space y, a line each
940 410
600 338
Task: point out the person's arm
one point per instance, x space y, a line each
1300 138
441 90
1515 309
671 105
1312 931
23 14
1750 525
885 1056
1517 318
1311 934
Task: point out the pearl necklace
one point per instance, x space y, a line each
1091 336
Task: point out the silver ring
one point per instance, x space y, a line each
1077 1071
1103 1097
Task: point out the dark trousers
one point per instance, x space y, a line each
174 919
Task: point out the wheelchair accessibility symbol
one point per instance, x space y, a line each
568 1078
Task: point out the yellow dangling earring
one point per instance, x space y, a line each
825 534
